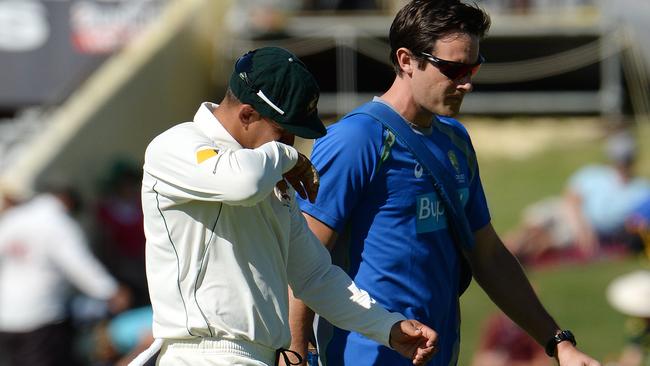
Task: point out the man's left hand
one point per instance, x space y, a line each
568 355
414 341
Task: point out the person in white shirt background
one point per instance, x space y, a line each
43 251
225 237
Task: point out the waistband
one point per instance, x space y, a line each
237 347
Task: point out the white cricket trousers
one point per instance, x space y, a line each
214 352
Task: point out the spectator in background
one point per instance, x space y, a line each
119 228
600 197
630 294
119 340
592 213
504 343
42 251
639 223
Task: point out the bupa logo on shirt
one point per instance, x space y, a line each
430 211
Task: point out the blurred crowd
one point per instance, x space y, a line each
603 211
74 295
603 214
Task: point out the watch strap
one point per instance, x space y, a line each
561 336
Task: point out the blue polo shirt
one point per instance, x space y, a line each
393 237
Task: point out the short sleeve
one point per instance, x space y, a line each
346 158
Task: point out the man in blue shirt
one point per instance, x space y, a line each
378 206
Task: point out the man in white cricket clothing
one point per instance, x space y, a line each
43 253
225 237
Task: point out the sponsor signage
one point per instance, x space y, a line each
48 47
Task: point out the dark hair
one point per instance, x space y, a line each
420 23
230 97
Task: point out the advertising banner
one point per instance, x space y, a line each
48 47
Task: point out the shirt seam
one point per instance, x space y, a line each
178 269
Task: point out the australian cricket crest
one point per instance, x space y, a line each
453 159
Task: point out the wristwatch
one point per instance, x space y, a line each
564 335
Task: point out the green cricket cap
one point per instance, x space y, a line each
279 86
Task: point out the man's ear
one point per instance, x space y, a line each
405 60
248 115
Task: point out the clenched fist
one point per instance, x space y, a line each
414 341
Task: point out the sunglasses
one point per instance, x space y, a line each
454 70
243 66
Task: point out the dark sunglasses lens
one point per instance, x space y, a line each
456 71
453 71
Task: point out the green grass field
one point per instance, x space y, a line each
575 294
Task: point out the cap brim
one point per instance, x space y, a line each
310 128
630 294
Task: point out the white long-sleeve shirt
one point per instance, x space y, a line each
222 243
42 251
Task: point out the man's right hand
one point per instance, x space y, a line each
304 178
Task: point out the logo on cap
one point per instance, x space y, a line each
311 107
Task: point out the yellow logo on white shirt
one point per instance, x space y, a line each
205 154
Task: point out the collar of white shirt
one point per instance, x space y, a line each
212 127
